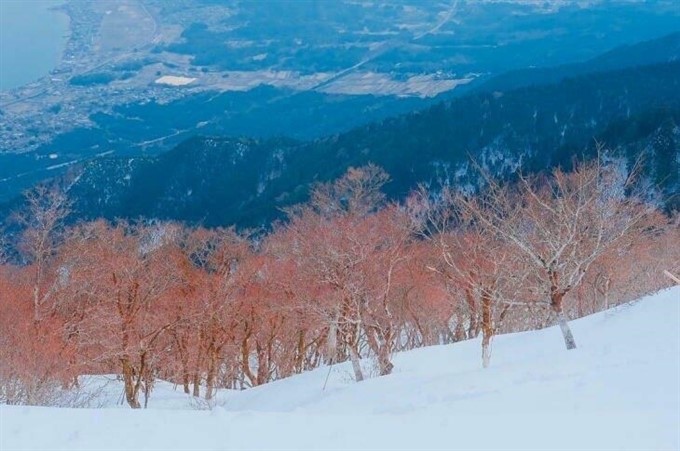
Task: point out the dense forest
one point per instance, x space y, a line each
217 181
348 276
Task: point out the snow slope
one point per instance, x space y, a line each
619 390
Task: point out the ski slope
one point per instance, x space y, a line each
619 390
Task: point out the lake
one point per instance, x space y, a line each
32 39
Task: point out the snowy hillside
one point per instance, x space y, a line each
619 390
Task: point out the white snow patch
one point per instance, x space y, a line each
172 80
618 390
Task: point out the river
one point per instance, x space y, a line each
32 38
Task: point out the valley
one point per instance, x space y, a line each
220 181
108 94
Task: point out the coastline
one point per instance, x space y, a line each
63 10
53 23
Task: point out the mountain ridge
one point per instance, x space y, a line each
245 181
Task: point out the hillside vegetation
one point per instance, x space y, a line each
224 181
618 391
348 277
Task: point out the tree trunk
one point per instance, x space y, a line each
210 385
147 393
197 385
607 285
486 351
245 361
198 363
212 372
556 298
487 330
356 365
140 378
331 350
131 394
569 341
262 364
384 363
459 334
184 359
379 346
473 329
300 353
185 382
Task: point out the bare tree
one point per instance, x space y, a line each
485 270
561 224
42 219
326 239
125 277
357 192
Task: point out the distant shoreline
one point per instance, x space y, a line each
51 11
62 9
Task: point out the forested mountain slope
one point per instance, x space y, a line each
218 181
661 50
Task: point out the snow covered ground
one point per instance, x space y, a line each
619 390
